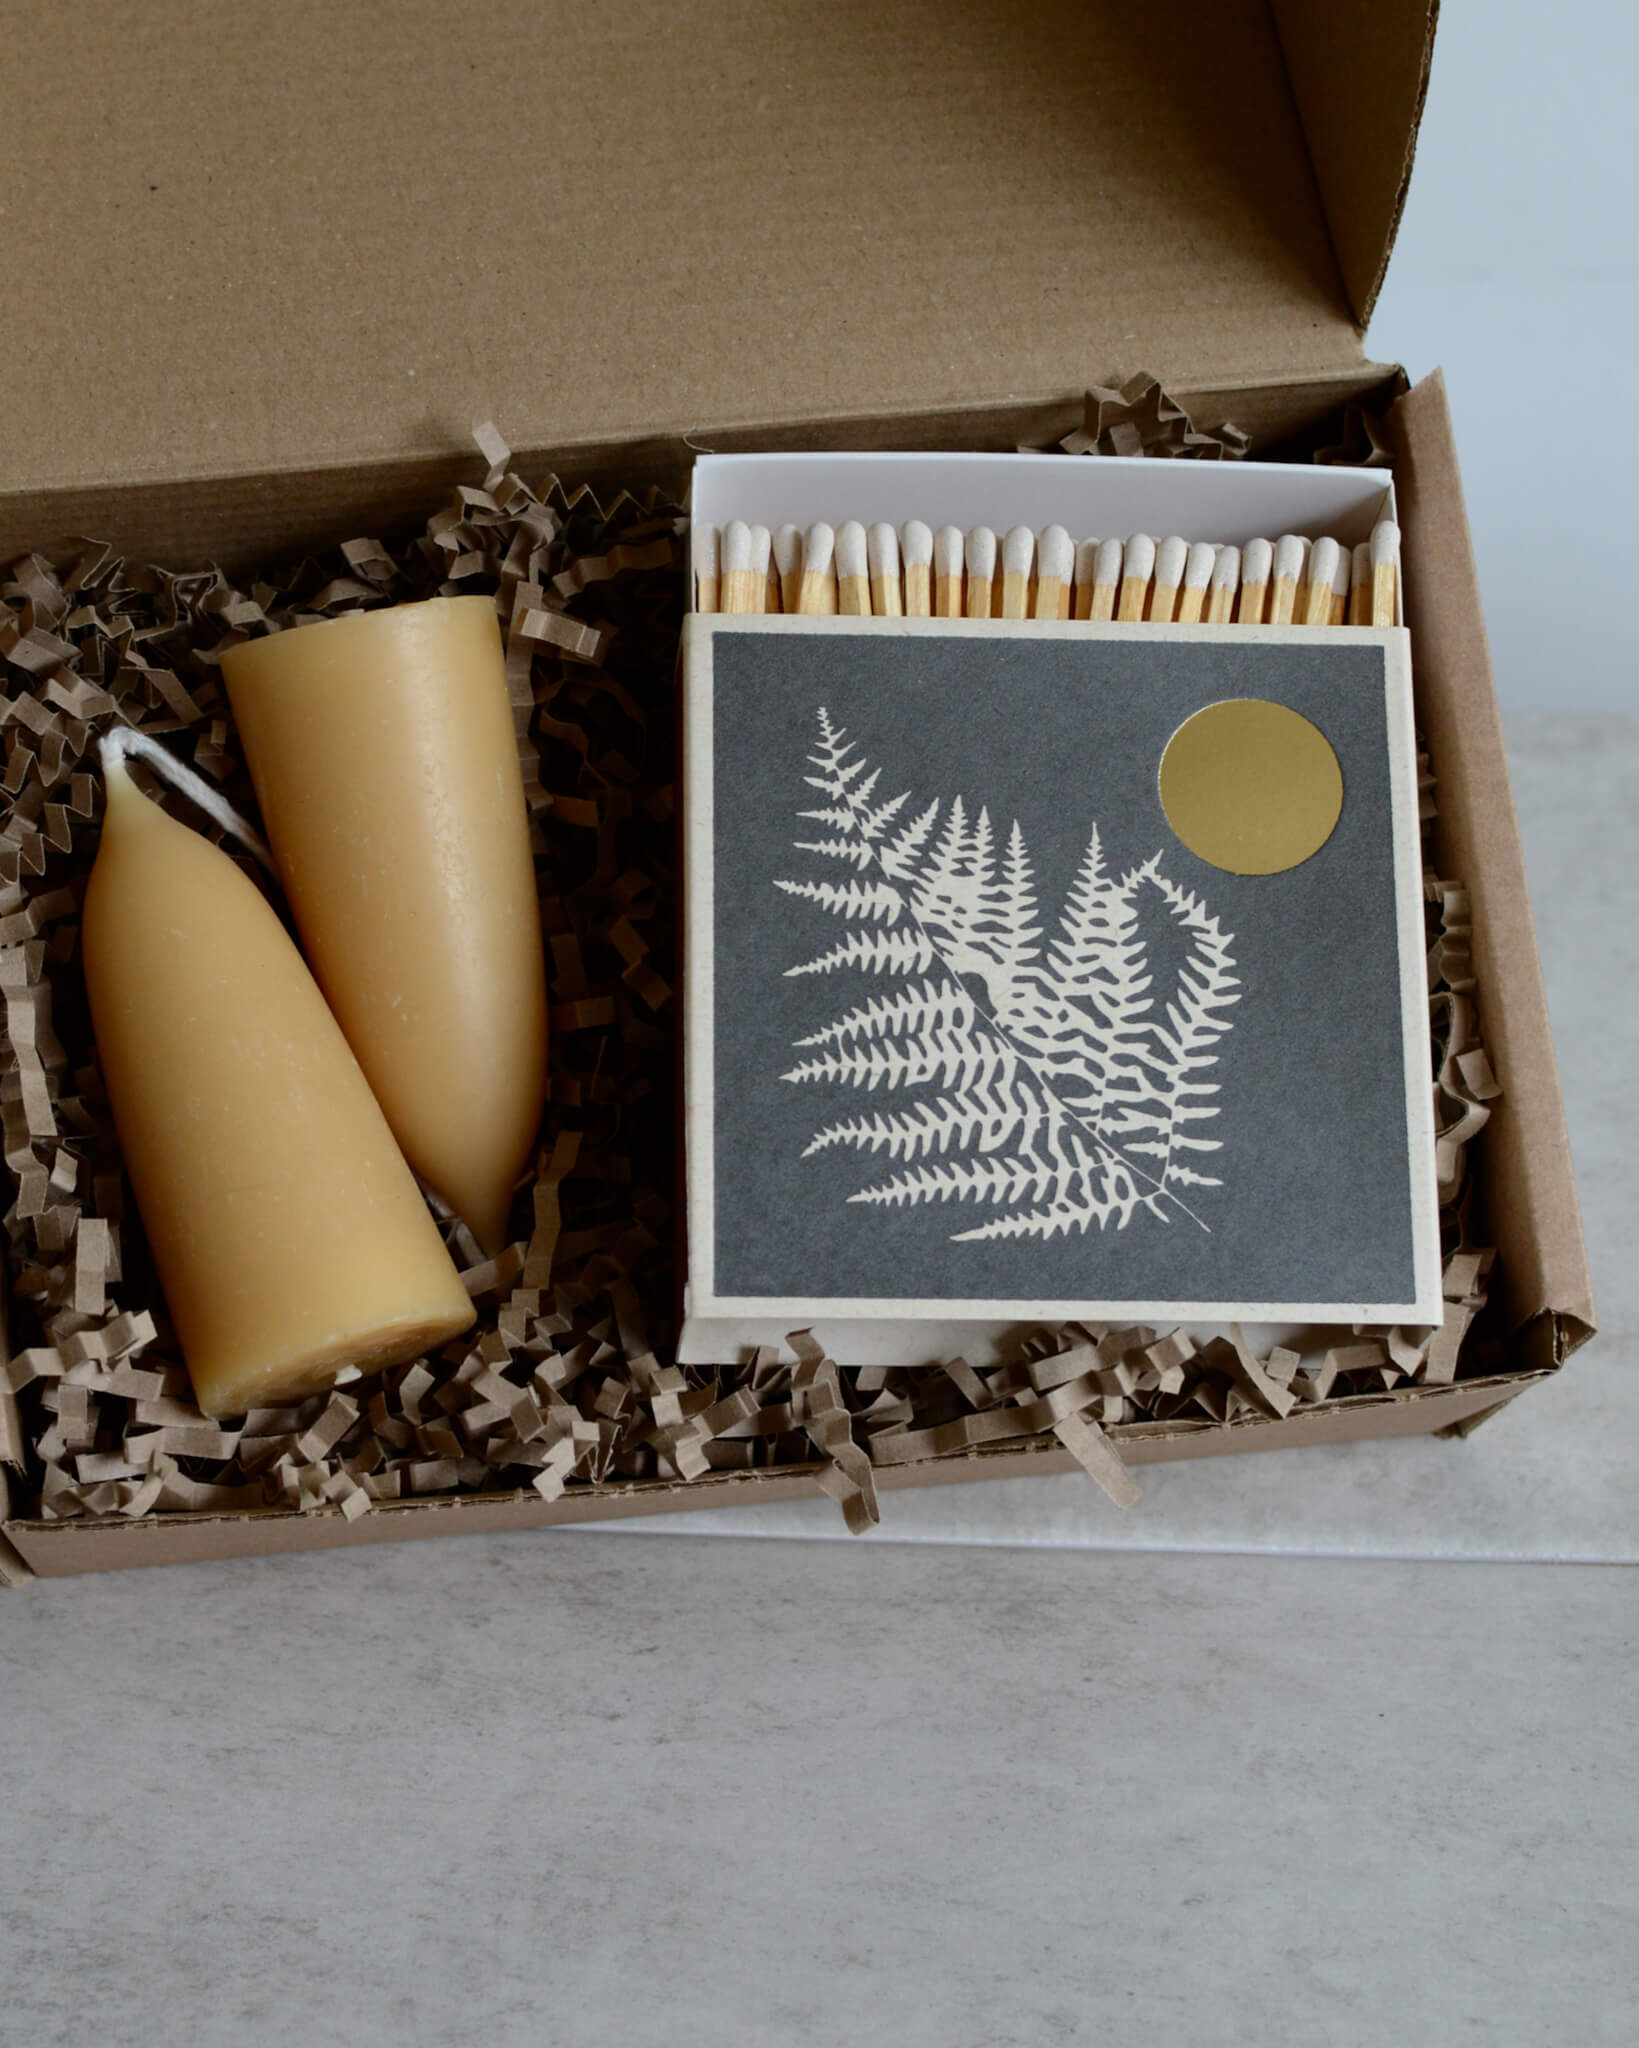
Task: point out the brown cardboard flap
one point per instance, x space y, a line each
278 238
1359 72
1525 1163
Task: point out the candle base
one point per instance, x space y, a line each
227 1389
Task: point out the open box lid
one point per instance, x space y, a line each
247 242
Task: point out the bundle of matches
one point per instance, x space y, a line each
913 571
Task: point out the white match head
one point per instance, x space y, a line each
1340 573
1107 569
736 547
1290 551
788 549
1385 543
949 545
1257 558
1055 555
916 543
1086 560
1226 567
882 549
705 550
853 558
1363 562
1198 569
1323 563
1171 560
1018 551
981 553
762 546
1138 561
818 548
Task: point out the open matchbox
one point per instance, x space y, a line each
974 1041
1057 200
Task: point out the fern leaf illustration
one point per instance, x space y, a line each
880 902
953 1059
893 952
855 851
935 1005
1098 1190
1067 1098
1154 1117
983 1121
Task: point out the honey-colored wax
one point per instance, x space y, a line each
385 762
288 1232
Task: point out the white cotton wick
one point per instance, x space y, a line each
981 554
818 549
882 550
949 547
1018 551
916 544
787 546
1171 558
117 747
1226 568
1055 555
1138 560
1290 551
1257 559
1385 543
1203 557
1107 573
853 556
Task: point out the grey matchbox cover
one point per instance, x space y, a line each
984 1030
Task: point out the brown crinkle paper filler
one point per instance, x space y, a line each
562 1383
1140 419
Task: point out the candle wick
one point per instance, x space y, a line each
124 741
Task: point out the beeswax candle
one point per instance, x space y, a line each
289 1235
381 746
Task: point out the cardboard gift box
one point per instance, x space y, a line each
275 269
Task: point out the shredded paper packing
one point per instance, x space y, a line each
561 1384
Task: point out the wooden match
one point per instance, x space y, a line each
949 547
981 572
1055 571
1224 587
705 568
853 571
882 557
1018 555
817 589
1257 560
1137 567
786 546
1202 560
1385 563
1171 561
916 547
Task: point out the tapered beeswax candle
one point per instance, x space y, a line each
382 750
290 1237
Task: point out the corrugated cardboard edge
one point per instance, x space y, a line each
1359 73
1524 1165
63 1549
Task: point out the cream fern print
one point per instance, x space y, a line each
1040 1078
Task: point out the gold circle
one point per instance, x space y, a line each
1250 786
